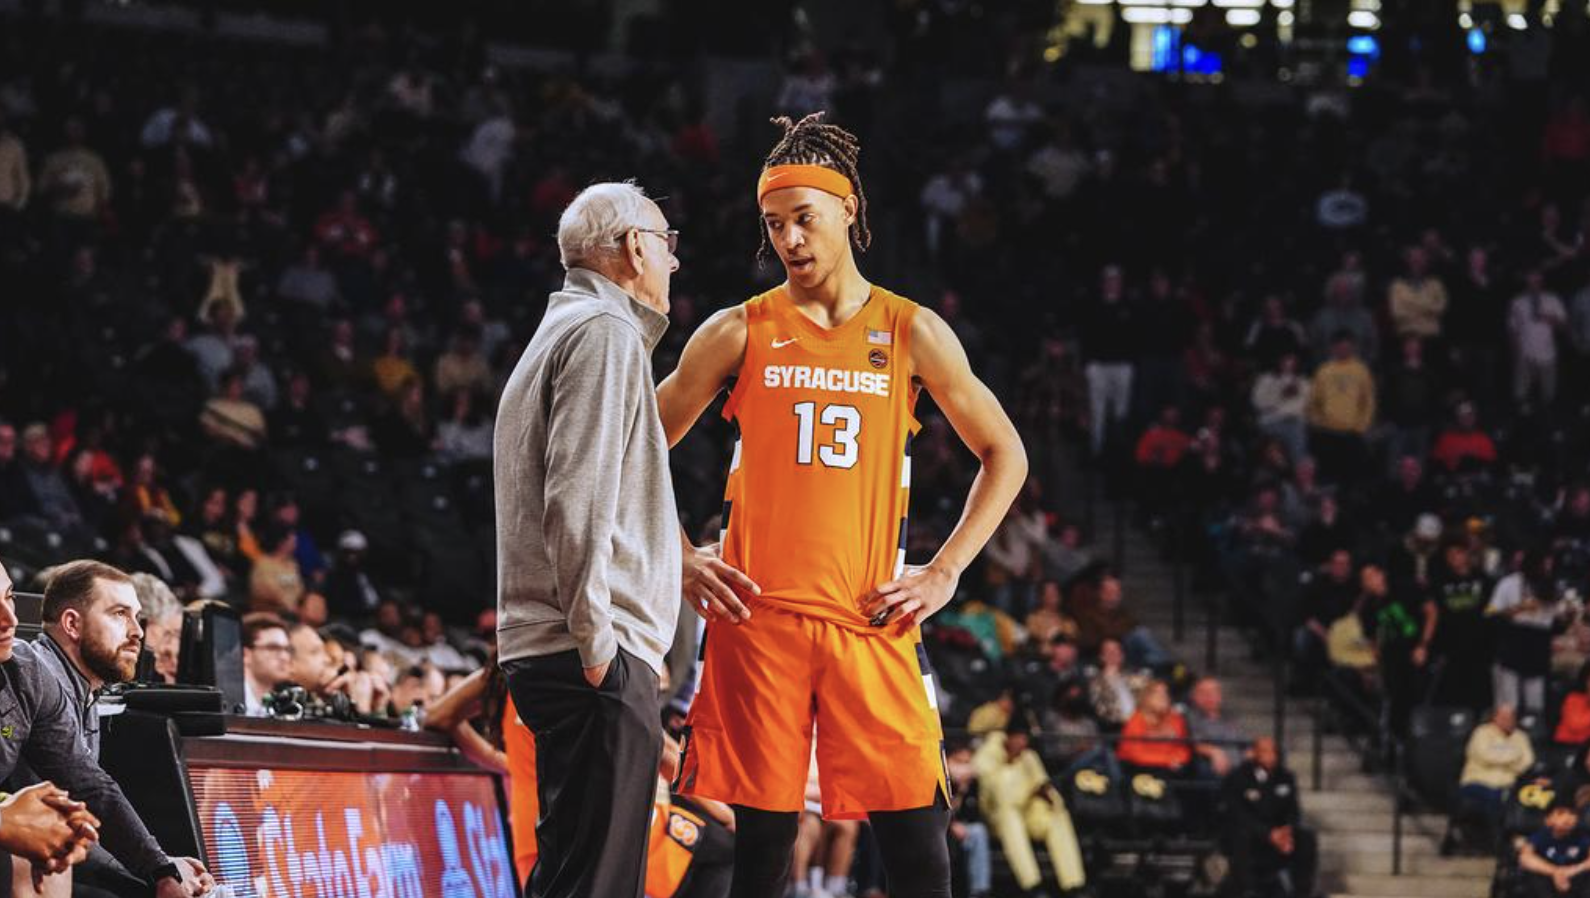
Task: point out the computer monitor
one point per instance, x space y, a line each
212 652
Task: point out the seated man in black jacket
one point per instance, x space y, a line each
1264 836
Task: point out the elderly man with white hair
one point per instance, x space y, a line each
588 542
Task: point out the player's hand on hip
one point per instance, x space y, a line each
713 587
912 598
595 675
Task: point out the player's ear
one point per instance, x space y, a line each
852 206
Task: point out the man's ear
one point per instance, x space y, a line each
852 208
72 623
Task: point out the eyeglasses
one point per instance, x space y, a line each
669 234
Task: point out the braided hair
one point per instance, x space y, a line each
811 141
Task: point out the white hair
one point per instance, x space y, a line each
598 218
158 601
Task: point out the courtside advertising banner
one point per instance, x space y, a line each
332 834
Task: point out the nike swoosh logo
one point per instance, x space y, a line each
780 344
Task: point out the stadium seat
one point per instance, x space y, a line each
1437 738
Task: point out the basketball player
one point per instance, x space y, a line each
813 616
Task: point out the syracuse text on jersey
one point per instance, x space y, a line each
833 380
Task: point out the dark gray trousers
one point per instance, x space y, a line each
596 772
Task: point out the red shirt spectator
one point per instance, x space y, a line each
1463 442
1164 444
1156 720
345 231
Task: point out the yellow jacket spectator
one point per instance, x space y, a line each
1342 397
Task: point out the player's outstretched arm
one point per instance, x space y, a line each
710 359
939 362
713 355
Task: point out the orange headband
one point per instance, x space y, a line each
778 177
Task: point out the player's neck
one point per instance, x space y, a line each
835 298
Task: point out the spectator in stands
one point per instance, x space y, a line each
74 180
296 423
212 527
436 648
1112 690
46 494
465 434
1403 623
1327 597
1280 400
1463 444
1265 837
1159 457
1109 343
1021 804
1498 753
463 366
1573 721
286 513
345 232
308 283
267 659
968 832
1216 740
1328 531
349 589
339 366
1410 399
259 382
1013 557
162 623
404 431
1101 614
1526 602
275 585
213 350
160 554
1341 411
1354 664
1398 507
1417 299
392 370
1459 591
1048 622
230 418
993 715
1344 311
1556 858
1534 320
1155 737
1273 335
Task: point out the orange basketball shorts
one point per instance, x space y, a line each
767 684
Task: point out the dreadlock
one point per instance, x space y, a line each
810 141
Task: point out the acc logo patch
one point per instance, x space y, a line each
683 831
1092 782
878 358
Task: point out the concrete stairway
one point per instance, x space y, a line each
1352 812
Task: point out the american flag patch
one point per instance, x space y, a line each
880 338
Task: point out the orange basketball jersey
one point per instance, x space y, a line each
818 489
